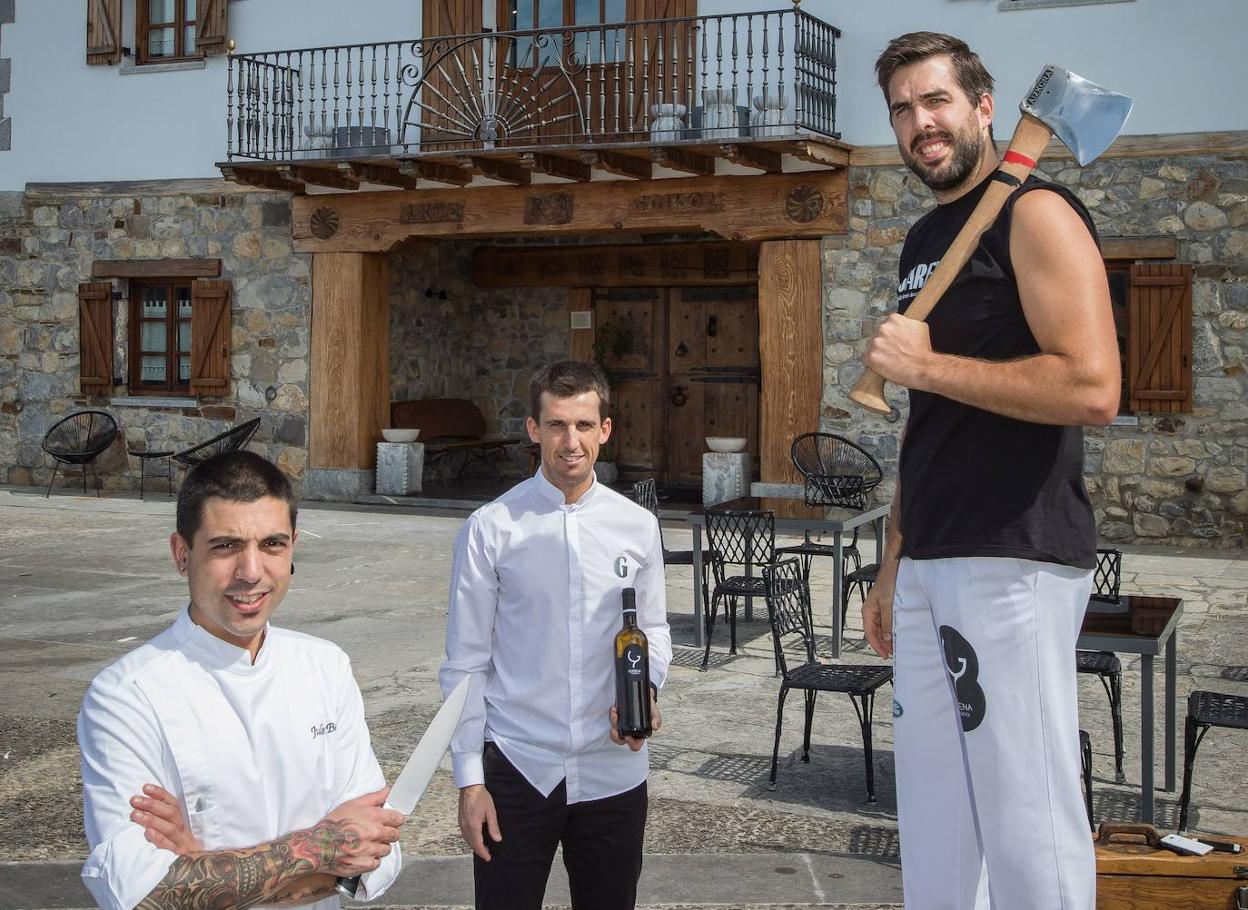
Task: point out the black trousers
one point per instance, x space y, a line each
601 841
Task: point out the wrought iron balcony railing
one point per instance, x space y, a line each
710 78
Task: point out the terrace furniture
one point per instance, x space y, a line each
447 426
836 472
229 441
744 539
1105 664
788 611
1204 711
1085 760
144 456
1145 625
646 495
78 440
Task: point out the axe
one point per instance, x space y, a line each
1086 117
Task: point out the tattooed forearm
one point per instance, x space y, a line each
304 891
242 878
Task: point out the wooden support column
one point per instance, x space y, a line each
790 350
350 381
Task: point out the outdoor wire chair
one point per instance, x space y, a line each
745 539
788 611
231 440
1205 710
78 440
836 472
1105 664
645 494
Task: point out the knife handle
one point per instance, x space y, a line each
348 886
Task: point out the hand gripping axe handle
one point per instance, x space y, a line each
1084 116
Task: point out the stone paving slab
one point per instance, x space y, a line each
84 580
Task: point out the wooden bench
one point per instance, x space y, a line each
449 425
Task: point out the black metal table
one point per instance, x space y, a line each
144 457
792 515
1143 626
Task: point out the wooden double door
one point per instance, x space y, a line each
683 364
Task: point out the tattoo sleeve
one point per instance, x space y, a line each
242 878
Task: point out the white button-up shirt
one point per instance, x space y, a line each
253 751
535 603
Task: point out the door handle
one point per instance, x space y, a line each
712 326
680 396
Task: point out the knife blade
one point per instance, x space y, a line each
414 779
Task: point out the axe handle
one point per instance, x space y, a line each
1029 141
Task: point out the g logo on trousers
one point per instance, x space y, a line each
963 667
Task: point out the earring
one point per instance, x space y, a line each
292 568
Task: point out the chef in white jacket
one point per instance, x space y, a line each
226 761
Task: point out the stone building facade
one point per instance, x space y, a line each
1177 478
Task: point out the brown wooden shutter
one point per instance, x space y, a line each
1159 355
210 337
211 26
95 338
103 31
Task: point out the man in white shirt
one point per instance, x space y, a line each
224 732
535 603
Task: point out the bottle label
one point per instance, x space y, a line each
634 659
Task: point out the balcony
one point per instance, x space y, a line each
732 93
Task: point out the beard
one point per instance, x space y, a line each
968 151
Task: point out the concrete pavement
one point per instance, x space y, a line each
83 580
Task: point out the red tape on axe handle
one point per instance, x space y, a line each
1013 157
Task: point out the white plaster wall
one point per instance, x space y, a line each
1181 61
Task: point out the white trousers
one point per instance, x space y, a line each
986 733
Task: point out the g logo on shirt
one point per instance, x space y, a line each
621 566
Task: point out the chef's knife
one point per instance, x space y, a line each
410 785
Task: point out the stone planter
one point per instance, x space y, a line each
606 471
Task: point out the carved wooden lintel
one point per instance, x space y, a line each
616 265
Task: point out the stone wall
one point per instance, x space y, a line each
48 242
1180 478
483 344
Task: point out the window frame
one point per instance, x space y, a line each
144 26
173 351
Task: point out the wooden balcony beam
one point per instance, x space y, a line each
678 159
377 173
496 169
620 165
261 177
436 171
817 153
753 156
553 166
318 176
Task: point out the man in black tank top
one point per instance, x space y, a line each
987 569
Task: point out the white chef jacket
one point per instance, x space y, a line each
254 752
535 603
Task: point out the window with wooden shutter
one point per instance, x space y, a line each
95 338
160 336
104 31
1159 345
210 337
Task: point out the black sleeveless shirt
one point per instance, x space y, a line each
974 483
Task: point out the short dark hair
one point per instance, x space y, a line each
913 47
234 476
565 379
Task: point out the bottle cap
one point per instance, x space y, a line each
630 599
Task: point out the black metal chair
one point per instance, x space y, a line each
645 494
1085 754
1105 665
836 472
788 611
744 539
1206 710
78 440
231 440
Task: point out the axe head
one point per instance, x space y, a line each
1085 116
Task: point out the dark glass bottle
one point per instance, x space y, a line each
632 673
